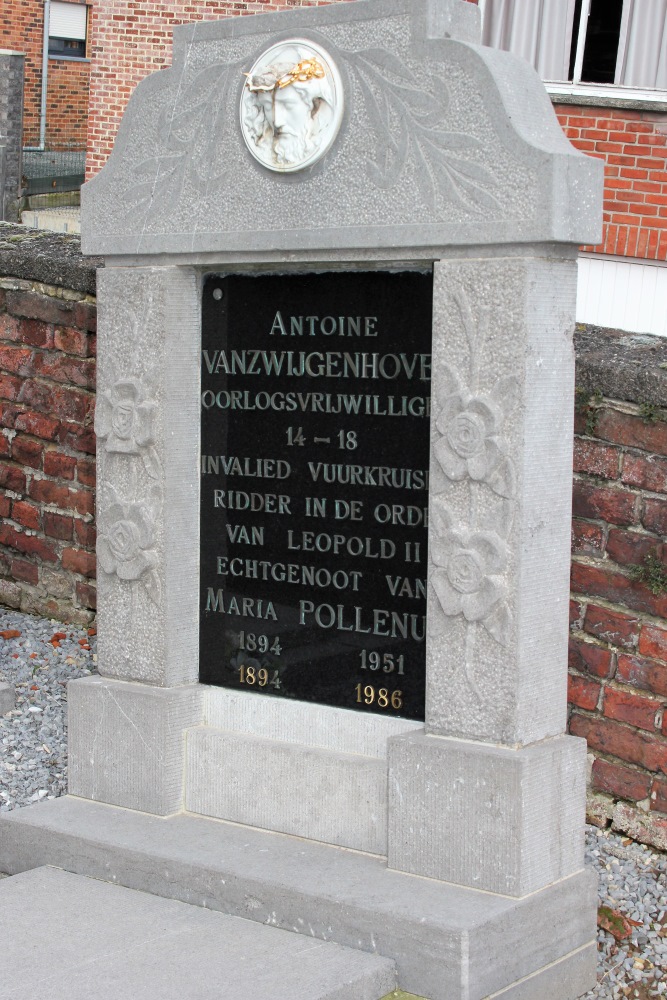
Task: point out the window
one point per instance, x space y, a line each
67 29
622 43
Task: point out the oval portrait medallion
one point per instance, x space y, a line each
291 105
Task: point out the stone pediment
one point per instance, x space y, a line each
442 141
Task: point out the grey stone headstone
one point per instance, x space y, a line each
11 132
449 155
6 697
449 152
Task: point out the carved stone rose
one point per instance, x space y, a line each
125 541
124 419
470 581
469 445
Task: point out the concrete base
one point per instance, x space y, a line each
126 742
7 697
337 798
495 818
70 938
448 942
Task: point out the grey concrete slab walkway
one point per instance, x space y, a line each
69 937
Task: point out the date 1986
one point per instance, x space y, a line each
382 697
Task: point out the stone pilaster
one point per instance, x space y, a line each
500 498
470 800
147 424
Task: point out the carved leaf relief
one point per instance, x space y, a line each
411 141
409 121
187 139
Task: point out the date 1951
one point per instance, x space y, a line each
386 662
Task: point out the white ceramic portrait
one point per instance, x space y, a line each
291 105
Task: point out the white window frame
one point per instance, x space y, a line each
606 90
73 26
578 86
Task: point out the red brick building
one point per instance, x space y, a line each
55 115
604 63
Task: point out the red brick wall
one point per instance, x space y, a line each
21 29
47 444
618 651
633 145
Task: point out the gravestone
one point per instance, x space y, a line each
12 66
334 420
7 697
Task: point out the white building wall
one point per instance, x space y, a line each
623 294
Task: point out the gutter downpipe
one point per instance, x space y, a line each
45 82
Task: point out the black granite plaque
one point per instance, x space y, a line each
314 488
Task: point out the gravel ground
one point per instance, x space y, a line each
33 766
33 738
632 881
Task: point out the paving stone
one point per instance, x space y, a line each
66 937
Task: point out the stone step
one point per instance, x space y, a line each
68 937
448 942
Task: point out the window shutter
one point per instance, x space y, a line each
67 20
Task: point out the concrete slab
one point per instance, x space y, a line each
449 942
65 936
